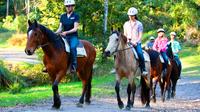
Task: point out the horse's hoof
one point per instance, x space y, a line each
147 106
55 107
87 103
163 99
79 105
128 107
153 99
121 105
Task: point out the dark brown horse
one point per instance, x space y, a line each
127 66
57 62
175 73
157 74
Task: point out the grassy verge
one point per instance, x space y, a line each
101 86
190 61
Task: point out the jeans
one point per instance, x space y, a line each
178 62
73 43
165 57
138 49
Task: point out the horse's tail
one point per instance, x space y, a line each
145 91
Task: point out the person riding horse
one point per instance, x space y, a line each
68 28
133 30
175 48
160 45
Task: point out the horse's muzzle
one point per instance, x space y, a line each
107 54
29 51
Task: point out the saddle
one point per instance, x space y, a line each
81 52
162 60
146 56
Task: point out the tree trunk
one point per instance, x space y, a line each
15 8
7 10
105 24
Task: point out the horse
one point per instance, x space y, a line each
156 71
126 65
57 61
157 74
175 73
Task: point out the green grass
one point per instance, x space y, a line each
101 86
190 61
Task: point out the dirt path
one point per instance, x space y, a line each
15 56
187 99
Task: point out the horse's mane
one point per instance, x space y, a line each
53 38
169 51
154 55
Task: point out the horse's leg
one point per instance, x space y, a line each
154 83
162 86
56 96
173 88
88 91
129 104
133 88
117 89
81 100
169 89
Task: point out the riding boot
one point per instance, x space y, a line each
73 61
144 71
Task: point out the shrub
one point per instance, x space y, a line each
20 23
17 40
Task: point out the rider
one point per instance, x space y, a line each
160 45
133 30
69 23
175 48
150 43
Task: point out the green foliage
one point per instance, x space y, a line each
15 88
20 24
8 23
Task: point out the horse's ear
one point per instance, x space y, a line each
36 24
29 23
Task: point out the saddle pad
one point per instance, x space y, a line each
80 48
146 56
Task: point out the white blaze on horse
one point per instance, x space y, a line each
127 65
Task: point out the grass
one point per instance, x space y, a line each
35 94
3 39
190 59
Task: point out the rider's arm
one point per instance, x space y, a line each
59 30
76 24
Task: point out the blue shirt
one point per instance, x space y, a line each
68 22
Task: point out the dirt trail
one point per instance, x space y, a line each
187 96
187 99
15 56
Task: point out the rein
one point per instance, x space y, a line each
43 45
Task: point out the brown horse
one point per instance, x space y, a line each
157 74
156 71
127 65
175 73
56 59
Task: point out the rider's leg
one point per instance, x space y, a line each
138 49
73 42
164 55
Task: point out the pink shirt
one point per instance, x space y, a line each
160 44
132 30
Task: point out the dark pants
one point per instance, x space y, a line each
73 43
178 62
165 57
138 49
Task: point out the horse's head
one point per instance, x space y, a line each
116 40
169 51
35 37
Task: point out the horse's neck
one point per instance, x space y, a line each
126 55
